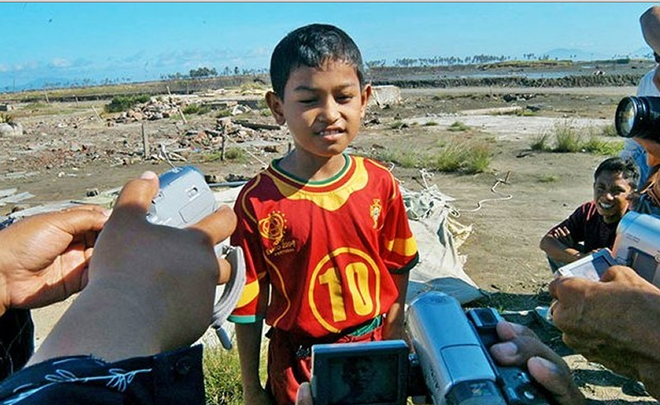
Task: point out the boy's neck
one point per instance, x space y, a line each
310 168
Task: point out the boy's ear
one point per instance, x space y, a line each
365 97
275 104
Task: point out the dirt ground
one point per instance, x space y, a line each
67 150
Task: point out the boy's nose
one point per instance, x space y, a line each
329 112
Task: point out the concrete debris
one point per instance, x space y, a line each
7 192
240 109
18 175
384 96
14 198
12 129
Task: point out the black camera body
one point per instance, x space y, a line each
450 362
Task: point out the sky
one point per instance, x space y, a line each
93 42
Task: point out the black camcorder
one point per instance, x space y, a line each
638 117
450 363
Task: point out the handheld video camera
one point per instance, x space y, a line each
637 245
183 199
450 356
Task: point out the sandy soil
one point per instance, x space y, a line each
67 150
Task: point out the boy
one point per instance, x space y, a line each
326 238
592 226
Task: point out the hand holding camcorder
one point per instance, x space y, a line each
450 362
637 245
183 199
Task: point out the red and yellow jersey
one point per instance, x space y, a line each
325 249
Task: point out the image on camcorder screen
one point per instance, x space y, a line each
601 265
363 380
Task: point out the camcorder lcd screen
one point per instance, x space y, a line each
601 265
373 373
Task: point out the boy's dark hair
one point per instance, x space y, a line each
627 168
311 46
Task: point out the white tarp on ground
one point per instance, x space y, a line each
438 237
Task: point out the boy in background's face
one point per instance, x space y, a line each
611 192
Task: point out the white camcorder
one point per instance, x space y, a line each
637 245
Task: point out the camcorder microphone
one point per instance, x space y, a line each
638 117
450 363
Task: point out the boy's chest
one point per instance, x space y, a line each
323 221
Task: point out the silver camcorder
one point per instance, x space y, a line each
453 351
637 245
450 363
183 199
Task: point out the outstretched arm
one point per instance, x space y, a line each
559 245
150 289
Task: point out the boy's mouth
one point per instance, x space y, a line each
330 133
605 206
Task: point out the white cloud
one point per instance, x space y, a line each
60 63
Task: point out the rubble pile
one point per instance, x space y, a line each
73 143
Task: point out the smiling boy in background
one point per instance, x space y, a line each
592 226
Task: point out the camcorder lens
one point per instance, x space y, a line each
638 117
625 117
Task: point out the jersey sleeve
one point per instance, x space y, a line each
251 306
399 248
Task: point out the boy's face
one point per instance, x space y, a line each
323 108
611 192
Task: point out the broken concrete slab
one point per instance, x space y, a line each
385 95
14 198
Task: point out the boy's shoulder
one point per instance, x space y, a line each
373 164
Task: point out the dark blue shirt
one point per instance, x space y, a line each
174 377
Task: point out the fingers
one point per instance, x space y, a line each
304 396
81 220
224 271
138 193
556 380
519 344
219 225
616 272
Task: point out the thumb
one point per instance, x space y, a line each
304 396
137 194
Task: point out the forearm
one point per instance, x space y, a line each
248 339
393 327
116 327
559 251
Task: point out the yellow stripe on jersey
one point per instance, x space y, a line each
250 293
332 200
403 247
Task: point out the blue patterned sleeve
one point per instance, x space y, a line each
173 377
